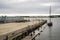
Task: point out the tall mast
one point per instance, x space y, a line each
50 13
50 23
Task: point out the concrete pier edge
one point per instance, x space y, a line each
22 34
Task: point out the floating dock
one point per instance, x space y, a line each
17 31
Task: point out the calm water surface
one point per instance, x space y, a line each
51 33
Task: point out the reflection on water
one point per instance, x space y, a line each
51 33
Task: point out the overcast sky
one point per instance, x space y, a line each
29 6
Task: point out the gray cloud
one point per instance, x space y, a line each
28 6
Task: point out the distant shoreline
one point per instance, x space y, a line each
52 16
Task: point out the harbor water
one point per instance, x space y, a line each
50 33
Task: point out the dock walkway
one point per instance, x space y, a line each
10 31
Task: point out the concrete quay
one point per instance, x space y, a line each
17 31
